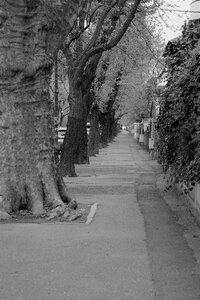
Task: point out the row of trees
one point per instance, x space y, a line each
120 87
32 36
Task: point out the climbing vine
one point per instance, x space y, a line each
178 123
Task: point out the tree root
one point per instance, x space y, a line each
64 194
35 195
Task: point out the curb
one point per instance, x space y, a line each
92 213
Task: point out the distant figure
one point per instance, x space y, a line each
123 127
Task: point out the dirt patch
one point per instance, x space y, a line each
23 216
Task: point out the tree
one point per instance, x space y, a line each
28 173
106 35
108 115
95 112
140 51
136 56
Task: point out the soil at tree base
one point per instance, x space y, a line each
24 216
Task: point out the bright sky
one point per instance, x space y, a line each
174 20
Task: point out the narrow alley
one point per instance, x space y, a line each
142 243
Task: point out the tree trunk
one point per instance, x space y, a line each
80 102
114 128
27 168
56 89
27 172
110 122
108 128
74 148
83 155
94 132
111 133
105 131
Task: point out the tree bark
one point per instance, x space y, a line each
75 146
76 134
111 125
27 172
28 175
114 128
104 130
108 128
56 89
94 135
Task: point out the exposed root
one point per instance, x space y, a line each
65 214
64 194
38 196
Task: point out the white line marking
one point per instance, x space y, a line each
92 213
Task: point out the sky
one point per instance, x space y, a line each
173 20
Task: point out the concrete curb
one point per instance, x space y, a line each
92 213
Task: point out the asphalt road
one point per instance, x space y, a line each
141 244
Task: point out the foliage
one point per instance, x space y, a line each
178 123
138 54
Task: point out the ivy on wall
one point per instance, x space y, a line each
178 124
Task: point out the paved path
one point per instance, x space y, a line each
134 249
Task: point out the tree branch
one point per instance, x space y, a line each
83 30
120 34
99 25
121 115
114 41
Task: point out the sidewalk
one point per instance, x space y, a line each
110 259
